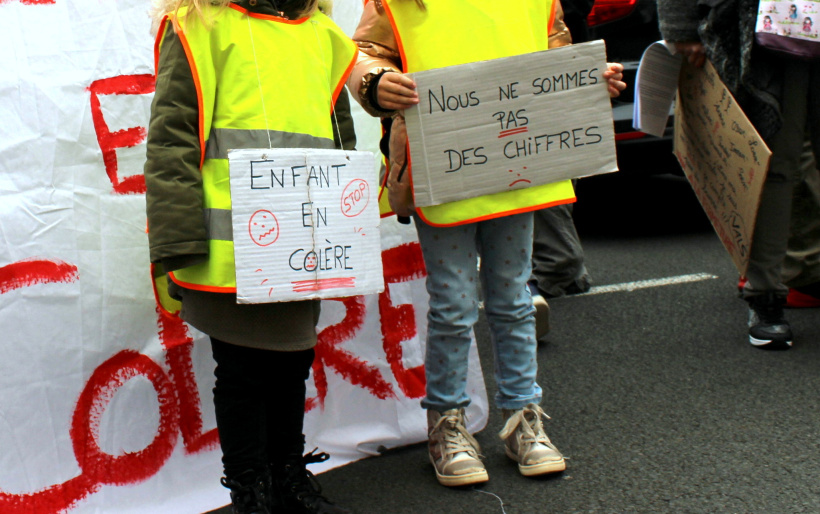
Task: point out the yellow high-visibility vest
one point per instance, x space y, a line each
302 66
451 32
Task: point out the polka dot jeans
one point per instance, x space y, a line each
451 255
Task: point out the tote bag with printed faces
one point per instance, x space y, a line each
791 27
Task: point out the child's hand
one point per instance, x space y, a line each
614 77
396 92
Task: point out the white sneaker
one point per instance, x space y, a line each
527 444
453 451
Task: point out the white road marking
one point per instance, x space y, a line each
644 284
640 284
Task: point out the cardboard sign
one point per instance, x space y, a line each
722 155
510 123
305 224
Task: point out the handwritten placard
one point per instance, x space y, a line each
305 224
723 157
510 123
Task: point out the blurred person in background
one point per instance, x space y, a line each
779 95
558 266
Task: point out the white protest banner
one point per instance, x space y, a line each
305 224
107 401
722 155
510 123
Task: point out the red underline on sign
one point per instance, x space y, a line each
302 286
511 132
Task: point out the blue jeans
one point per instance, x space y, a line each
451 256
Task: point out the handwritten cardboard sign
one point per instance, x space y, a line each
305 224
723 157
510 123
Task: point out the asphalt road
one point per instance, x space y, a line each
655 394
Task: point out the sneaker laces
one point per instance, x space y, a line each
532 430
456 437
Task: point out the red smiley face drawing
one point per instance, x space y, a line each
311 261
263 228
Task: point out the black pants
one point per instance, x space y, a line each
259 400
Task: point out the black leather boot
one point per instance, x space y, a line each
298 489
250 492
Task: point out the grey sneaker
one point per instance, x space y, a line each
453 451
527 444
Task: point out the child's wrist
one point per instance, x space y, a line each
368 91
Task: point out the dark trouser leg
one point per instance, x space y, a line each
802 264
238 406
557 256
259 401
774 214
285 407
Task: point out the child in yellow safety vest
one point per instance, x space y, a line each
396 36
213 94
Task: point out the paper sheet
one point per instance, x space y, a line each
655 86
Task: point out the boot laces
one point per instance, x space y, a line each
248 497
302 481
456 437
531 427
